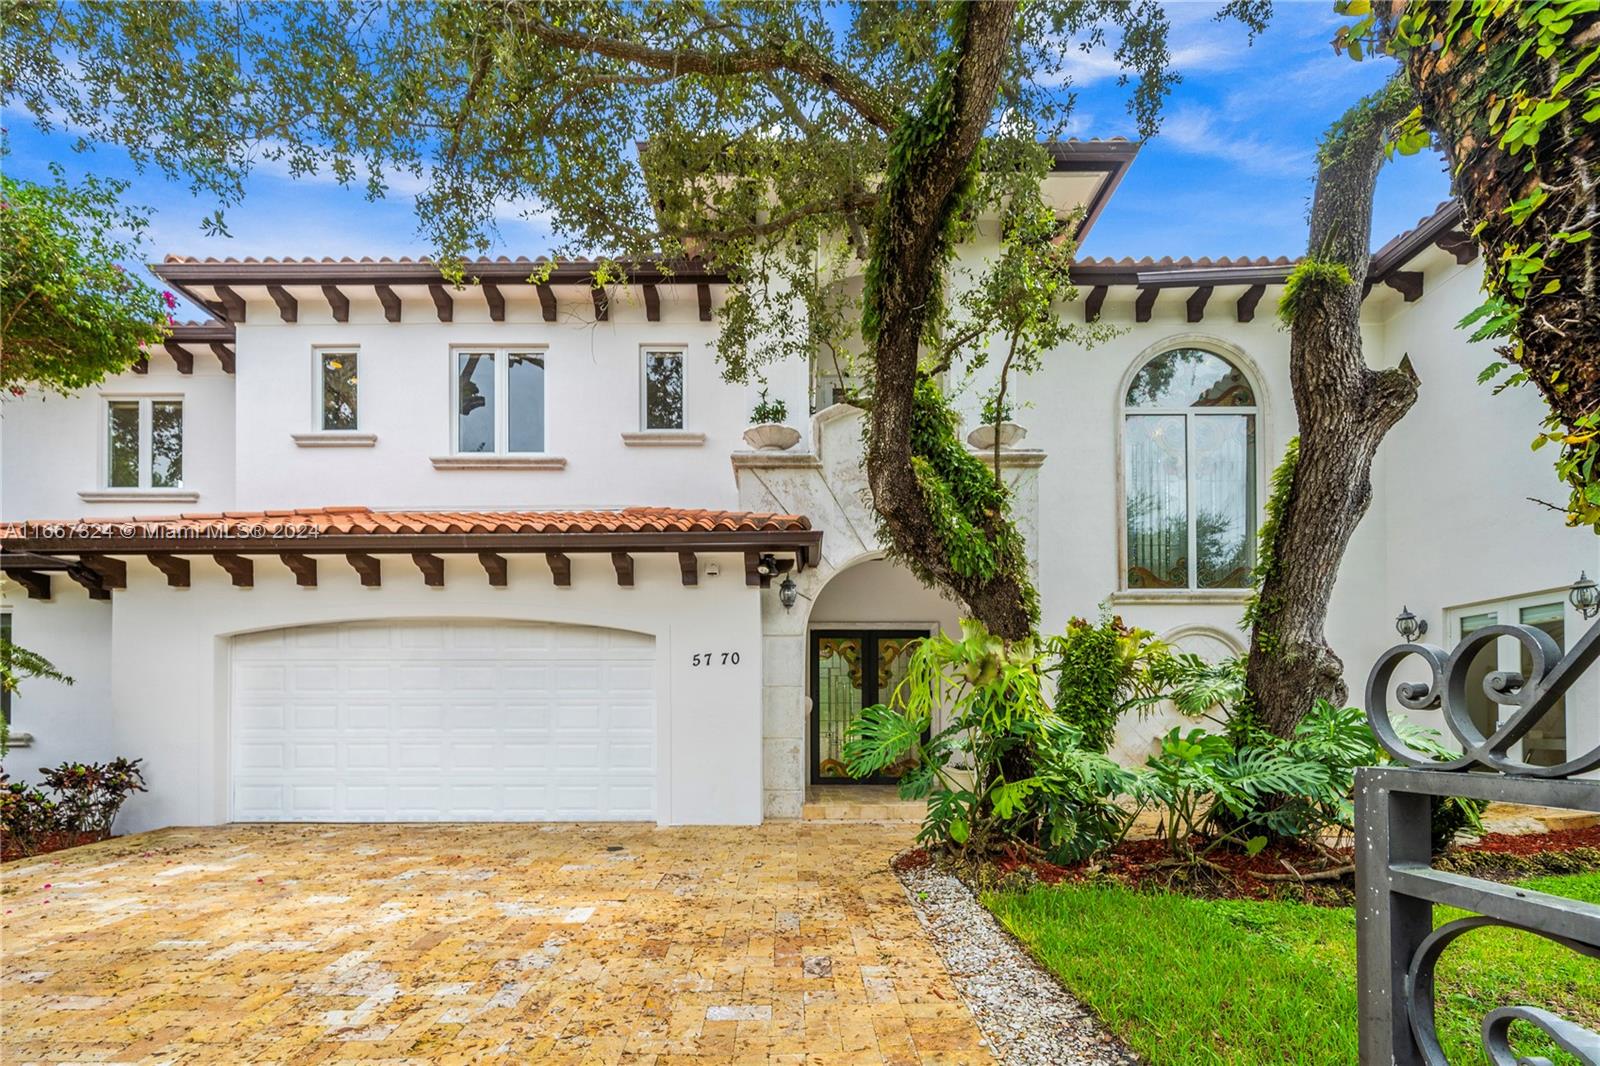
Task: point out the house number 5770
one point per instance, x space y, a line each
716 658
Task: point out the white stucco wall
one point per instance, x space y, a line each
53 447
169 655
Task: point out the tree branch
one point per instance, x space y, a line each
804 63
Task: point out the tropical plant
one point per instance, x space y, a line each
1103 670
18 664
72 313
1006 767
89 795
28 816
996 408
768 411
1206 793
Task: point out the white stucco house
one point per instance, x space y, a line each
371 547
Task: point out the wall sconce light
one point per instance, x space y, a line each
1409 626
1585 595
788 592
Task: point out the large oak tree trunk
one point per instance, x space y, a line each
1455 87
910 240
1344 408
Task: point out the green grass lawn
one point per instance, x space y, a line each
1189 982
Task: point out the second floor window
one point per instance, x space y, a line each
663 390
1189 476
144 444
337 380
499 400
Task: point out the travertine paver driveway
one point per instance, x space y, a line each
298 944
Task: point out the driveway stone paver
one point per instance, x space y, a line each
787 943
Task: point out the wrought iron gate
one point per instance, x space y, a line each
1397 946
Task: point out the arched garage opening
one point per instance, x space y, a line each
861 625
442 720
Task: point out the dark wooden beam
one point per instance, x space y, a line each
180 355
90 580
391 302
240 569
495 566
338 303
367 567
652 303
37 584
602 303
113 573
232 304
1246 308
442 303
496 301
174 566
1096 300
622 562
752 570
303 566
547 302
689 564
703 292
1196 307
1458 244
288 306
224 356
1145 302
140 365
432 568
1407 283
560 568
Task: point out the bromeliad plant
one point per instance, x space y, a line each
1006 767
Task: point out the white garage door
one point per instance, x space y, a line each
443 721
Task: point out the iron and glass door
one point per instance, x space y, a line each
852 669
1546 743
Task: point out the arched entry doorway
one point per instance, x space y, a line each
861 626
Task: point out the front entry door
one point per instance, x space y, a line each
852 669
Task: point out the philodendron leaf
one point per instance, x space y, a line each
1254 845
958 830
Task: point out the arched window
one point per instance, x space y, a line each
1189 450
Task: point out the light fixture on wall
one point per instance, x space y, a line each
1409 626
788 592
1585 595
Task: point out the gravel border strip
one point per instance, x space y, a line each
1029 1018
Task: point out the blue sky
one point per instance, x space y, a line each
1230 173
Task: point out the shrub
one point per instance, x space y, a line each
87 797
91 794
1104 669
768 411
1028 776
28 817
995 409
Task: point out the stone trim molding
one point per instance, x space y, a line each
139 495
334 438
499 462
664 438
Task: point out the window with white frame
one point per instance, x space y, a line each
1189 473
1546 743
499 401
336 389
144 443
661 394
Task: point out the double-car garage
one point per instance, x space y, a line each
442 721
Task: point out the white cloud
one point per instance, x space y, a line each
1200 131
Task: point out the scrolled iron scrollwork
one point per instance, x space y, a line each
1533 696
1566 1034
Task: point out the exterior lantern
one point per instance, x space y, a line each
1409 626
788 592
1585 595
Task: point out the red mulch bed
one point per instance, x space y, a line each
1538 843
1275 872
53 842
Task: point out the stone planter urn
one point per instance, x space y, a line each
983 437
771 437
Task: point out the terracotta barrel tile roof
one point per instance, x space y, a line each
357 520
